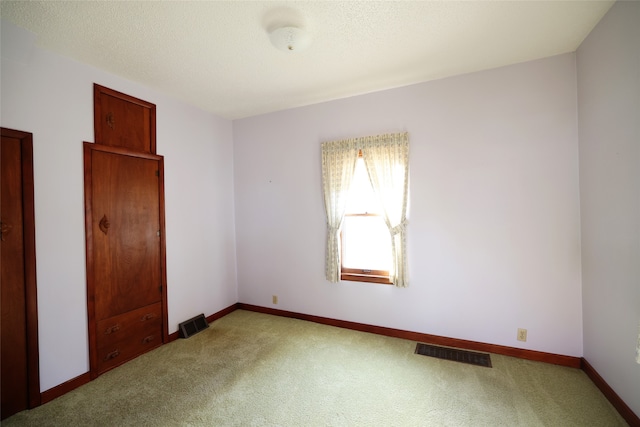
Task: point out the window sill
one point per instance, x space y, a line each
384 280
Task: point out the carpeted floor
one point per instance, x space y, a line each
252 369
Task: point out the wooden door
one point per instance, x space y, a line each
125 254
19 345
126 236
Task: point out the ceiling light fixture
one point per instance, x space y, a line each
290 39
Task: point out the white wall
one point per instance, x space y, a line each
608 67
494 240
52 97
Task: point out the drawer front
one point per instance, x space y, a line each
122 338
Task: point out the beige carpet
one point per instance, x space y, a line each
252 369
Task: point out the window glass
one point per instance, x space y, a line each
366 243
361 198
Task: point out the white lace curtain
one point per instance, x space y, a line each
338 164
386 158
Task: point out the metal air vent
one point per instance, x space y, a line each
193 326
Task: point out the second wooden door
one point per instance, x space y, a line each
19 323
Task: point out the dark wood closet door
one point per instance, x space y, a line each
126 233
125 254
14 334
19 372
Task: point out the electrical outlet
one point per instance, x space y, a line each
274 299
522 334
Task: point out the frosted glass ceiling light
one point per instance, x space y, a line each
290 39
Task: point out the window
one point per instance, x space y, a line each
350 250
365 239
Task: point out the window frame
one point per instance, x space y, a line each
359 274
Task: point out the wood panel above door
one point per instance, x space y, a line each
121 120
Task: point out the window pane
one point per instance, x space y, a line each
366 243
362 199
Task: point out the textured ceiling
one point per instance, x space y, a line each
217 54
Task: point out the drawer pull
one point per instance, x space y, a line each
147 340
112 329
112 355
147 316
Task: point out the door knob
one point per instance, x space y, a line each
104 224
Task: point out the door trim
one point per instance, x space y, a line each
31 291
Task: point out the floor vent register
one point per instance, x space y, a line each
193 326
457 355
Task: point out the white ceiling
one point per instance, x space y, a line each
217 54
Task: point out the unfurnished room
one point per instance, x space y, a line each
320 213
